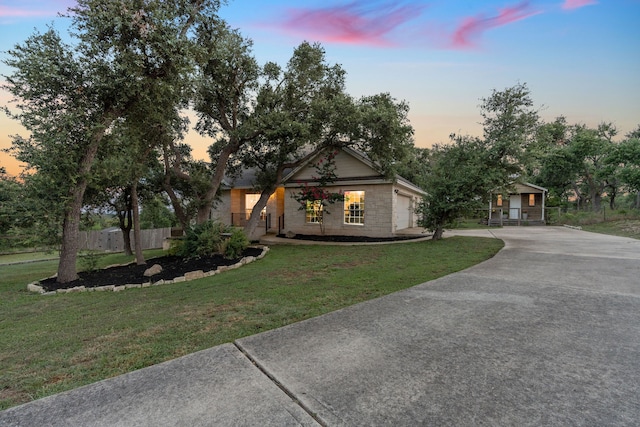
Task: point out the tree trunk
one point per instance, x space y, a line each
612 201
67 270
596 199
126 233
181 216
204 209
252 224
437 233
137 238
125 222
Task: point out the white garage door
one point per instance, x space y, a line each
403 212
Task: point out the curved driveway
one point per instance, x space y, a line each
545 333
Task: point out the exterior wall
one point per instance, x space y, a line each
534 213
222 209
378 218
346 166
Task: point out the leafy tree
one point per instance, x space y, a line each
10 188
462 175
415 166
224 96
458 183
155 213
67 111
510 124
129 56
625 158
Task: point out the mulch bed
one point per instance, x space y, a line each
172 267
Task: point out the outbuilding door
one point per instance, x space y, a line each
404 212
515 203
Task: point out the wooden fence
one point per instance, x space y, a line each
110 239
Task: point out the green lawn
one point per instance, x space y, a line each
622 227
26 256
49 344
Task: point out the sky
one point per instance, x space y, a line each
579 58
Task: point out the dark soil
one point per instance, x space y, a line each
172 267
354 239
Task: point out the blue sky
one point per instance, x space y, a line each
580 58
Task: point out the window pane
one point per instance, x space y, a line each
499 202
314 212
532 199
354 207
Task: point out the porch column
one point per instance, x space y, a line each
490 204
543 194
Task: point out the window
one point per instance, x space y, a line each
532 199
354 207
499 202
250 200
314 212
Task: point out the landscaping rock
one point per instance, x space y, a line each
33 287
192 275
153 270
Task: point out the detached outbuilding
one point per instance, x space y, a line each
373 206
524 204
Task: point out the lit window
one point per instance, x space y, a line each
354 207
532 199
250 200
499 202
314 212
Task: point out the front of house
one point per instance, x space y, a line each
523 204
373 206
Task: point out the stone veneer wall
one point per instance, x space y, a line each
378 217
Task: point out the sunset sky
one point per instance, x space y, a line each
580 58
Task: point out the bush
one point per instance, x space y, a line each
211 238
236 244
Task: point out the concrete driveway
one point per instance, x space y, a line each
545 333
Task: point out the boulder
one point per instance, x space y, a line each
153 270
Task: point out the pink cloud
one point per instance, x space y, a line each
472 28
576 4
31 9
360 22
15 12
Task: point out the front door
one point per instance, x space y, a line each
515 203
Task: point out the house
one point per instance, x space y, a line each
373 205
523 204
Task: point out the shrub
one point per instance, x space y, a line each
212 238
236 244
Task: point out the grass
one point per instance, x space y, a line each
49 344
620 227
26 257
622 222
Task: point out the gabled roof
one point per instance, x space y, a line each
525 184
376 178
537 187
311 157
247 178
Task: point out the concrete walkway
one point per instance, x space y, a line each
545 333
